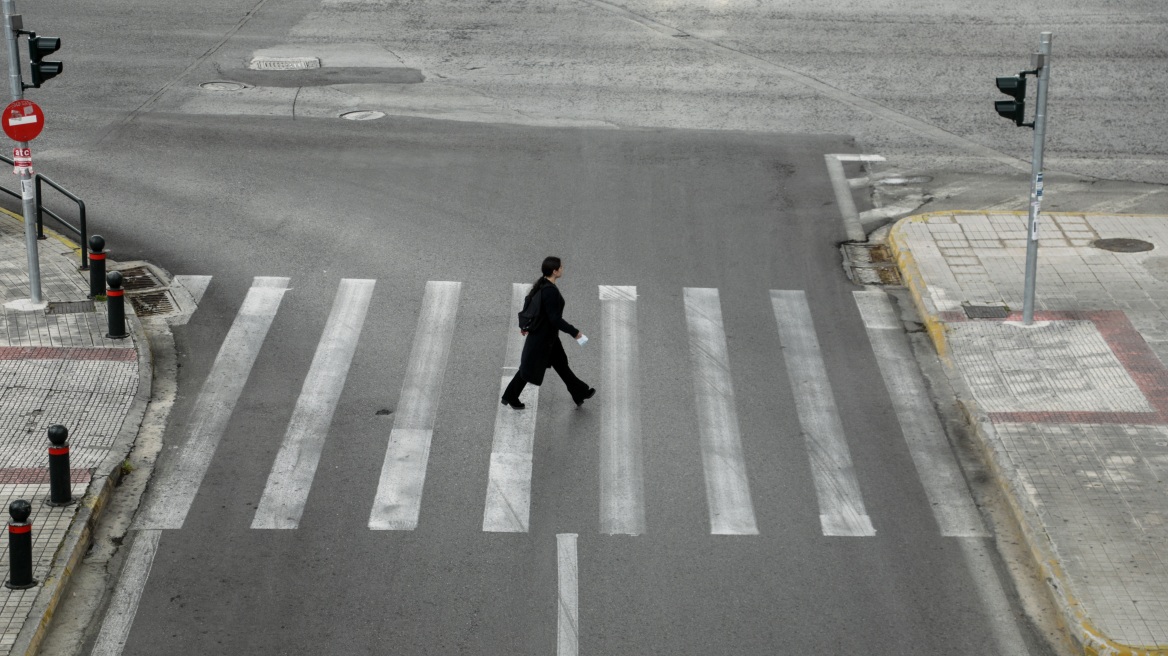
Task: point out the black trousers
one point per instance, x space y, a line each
576 387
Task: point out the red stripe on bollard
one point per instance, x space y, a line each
115 292
20 528
58 450
97 256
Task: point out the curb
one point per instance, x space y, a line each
106 477
1091 640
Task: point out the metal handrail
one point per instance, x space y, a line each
79 230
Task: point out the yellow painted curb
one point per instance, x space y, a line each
48 232
911 275
1089 638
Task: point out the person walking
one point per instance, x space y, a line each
542 348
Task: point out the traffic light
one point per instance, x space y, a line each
38 48
1015 87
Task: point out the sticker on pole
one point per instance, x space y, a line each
22 161
23 120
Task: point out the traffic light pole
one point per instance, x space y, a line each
1035 178
27 186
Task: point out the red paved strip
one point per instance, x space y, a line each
1129 347
38 476
59 353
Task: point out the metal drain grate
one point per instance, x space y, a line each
870 264
154 303
283 63
138 278
986 311
69 307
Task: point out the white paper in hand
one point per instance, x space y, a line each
583 339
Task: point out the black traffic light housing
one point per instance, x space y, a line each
38 48
1015 87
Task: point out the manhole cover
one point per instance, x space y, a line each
283 63
1123 245
223 86
363 115
146 305
138 278
986 311
69 307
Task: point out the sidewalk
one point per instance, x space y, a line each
1072 411
58 368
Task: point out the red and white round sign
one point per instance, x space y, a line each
23 120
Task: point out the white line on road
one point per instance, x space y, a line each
622 485
936 466
196 286
727 486
403 474
508 502
286 492
123 605
841 507
175 490
1003 621
568 599
843 191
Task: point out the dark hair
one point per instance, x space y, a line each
550 264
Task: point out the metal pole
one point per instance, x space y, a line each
1036 179
27 187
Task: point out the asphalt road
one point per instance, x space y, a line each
661 146
481 204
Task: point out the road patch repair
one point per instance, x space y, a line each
1071 411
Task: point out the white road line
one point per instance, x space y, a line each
622 484
196 286
1003 622
286 492
841 507
1123 205
175 490
936 466
843 191
508 501
123 605
727 486
568 599
403 474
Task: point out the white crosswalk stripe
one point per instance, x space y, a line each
508 503
622 484
841 507
727 487
944 485
286 493
176 488
507 500
399 490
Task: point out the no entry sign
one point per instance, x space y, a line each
22 120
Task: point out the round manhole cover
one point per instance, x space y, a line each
223 86
363 115
1123 245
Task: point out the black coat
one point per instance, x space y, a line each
543 344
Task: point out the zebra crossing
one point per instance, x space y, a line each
506 501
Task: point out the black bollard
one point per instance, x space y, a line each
60 485
20 547
96 266
116 306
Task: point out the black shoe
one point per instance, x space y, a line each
587 395
514 404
